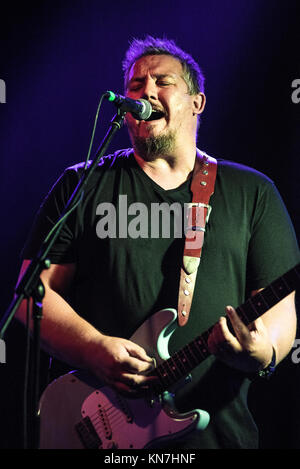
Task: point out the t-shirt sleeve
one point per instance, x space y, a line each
64 248
273 248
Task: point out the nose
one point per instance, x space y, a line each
150 89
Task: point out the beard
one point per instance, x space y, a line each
150 148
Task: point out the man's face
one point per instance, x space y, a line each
159 79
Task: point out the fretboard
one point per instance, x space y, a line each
185 360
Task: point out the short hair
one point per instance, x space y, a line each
138 48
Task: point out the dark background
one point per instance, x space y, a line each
57 58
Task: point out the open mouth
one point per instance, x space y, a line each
155 115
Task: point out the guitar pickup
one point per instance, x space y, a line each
87 434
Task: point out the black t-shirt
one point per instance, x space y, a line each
125 277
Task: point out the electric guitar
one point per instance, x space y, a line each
77 411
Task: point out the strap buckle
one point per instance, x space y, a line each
199 204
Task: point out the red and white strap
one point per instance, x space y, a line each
202 187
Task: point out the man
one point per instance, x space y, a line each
99 290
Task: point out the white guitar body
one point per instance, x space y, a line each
78 412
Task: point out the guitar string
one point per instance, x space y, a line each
112 413
99 424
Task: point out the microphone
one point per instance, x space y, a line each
140 109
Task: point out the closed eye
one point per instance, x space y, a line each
135 88
164 83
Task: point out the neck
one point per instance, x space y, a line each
169 171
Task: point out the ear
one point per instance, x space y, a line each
199 101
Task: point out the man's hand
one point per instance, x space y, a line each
67 336
122 364
249 349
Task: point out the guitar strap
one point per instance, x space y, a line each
198 212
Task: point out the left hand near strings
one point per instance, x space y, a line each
249 349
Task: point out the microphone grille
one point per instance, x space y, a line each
147 111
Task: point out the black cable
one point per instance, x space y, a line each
27 353
26 377
85 168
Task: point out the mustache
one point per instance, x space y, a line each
157 108
158 112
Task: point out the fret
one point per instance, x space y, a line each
205 335
195 352
187 357
166 378
281 288
255 313
183 361
250 310
277 297
168 372
201 345
163 375
189 360
269 296
292 277
253 308
242 313
193 359
173 368
259 303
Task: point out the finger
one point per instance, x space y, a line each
137 351
136 381
216 339
124 389
137 366
222 332
240 329
134 386
137 360
225 340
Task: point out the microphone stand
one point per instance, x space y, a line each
31 285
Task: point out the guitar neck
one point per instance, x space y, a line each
185 360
